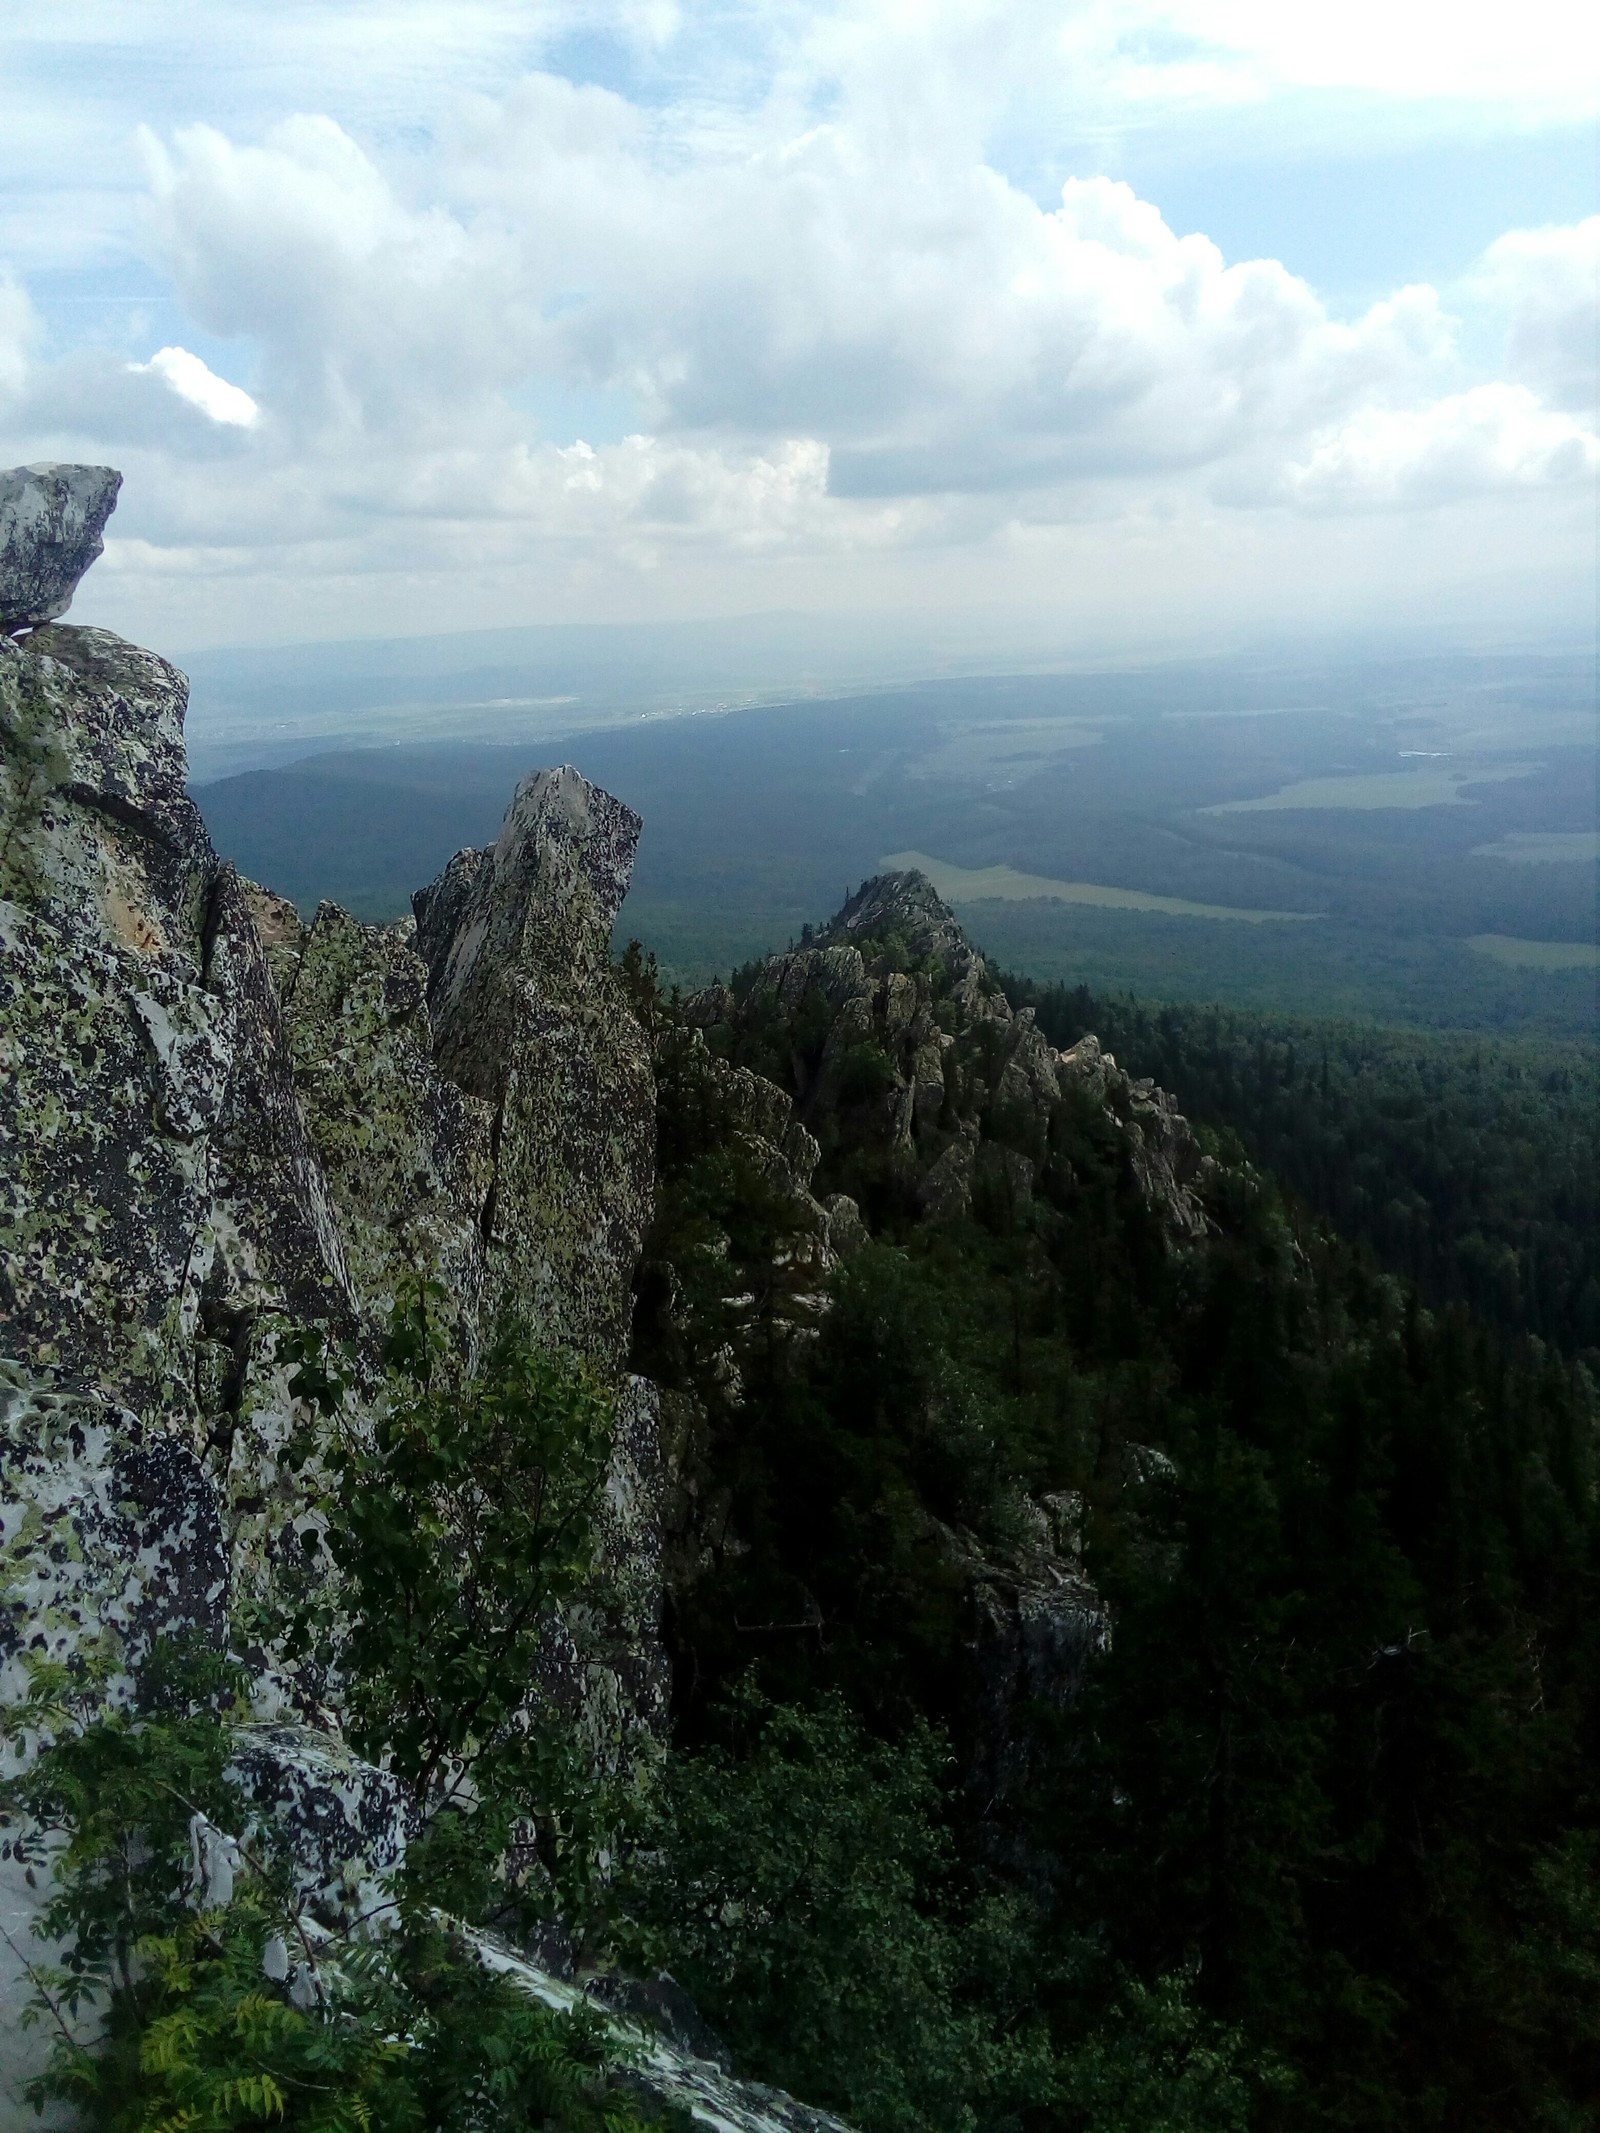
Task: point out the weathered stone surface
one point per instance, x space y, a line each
162 1202
529 1020
111 1538
946 1190
1036 1624
1164 1153
112 1076
110 1532
283 935
405 1152
630 1570
901 994
51 520
99 835
438 911
663 2072
344 1824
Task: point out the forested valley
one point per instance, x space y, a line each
1302 1832
1465 1162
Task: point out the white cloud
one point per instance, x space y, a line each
1493 438
932 331
196 382
836 330
1543 55
1547 283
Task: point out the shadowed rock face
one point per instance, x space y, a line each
51 521
529 1020
219 1125
895 973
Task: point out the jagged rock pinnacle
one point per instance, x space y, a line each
51 521
906 904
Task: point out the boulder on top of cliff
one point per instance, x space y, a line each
52 518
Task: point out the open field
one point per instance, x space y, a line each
1384 788
1537 955
1543 848
976 885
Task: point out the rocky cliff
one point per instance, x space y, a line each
224 1130
221 1127
881 1055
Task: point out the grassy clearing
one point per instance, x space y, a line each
972 885
1537 955
1377 788
1542 848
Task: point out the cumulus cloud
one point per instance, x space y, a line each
827 320
1493 438
194 381
1547 283
931 331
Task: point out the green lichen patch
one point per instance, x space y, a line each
405 1153
111 1075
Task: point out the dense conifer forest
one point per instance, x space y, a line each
1316 1845
1467 1163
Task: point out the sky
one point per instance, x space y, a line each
1112 323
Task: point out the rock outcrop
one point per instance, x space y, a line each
222 1127
530 1022
51 522
219 1126
891 1011
883 1052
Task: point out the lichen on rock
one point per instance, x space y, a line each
406 1154
529 1020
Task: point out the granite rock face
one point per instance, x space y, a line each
111 1538
529 1021
891 1005
1035 1622
220 1126
51 521
406 1154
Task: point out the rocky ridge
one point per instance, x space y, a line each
220 1126
894 973
883 1051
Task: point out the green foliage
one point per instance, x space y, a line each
458 1526
1332 1771
1154 2064
1466 1163
796 1892
120 1787
802 1879
222 2008
1553 1989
